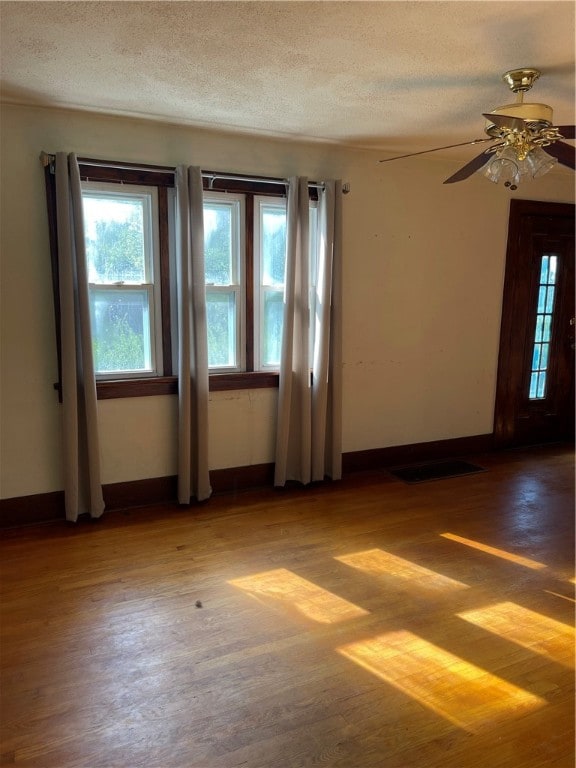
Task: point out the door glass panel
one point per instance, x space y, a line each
541 299
549 299
543 328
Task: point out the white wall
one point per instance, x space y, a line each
423 275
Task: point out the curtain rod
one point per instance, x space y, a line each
48 159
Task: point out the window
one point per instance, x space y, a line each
245 260
245 255
269 277
129 217
122 255
543 330
224 266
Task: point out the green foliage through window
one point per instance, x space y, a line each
119 349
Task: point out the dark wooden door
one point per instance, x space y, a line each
535 388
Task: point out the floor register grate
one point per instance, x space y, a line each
438 470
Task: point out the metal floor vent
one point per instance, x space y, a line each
438 470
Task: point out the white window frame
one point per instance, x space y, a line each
151 285
236 203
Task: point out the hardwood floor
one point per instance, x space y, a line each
365 624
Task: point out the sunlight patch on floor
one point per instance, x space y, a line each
286 588
525 561
529 629
468 696
378 562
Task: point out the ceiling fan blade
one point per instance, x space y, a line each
467 170
567 131
504 121
564 153
437 149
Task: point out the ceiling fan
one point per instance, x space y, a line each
525 143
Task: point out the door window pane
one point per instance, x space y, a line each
543 328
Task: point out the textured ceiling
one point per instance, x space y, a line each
393 75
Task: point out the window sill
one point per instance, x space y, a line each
158 385
220 382
168 385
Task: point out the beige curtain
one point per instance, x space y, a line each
193 474
309 434
81 450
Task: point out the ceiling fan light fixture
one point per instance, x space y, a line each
540 162
504 167
510 166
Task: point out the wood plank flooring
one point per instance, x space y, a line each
360 624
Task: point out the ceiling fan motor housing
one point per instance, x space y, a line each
539 116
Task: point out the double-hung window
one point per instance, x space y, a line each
245 254
129 216
269 279
121 236
269 275
245 258
224 256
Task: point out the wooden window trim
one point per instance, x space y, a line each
123 175
249 279
168 385
165 312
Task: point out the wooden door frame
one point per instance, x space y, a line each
509 351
